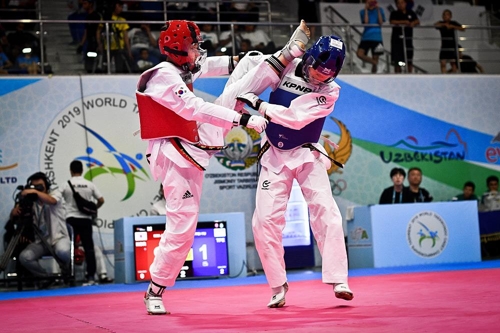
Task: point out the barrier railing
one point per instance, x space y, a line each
475 41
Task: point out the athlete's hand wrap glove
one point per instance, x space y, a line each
257 123
295 47
254 102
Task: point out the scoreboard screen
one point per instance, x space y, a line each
207 258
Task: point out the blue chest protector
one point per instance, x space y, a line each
286 138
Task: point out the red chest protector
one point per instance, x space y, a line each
158 121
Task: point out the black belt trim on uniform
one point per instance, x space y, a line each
311 147
266 146
177 145
205 147
263 149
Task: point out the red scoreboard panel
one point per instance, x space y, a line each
208 257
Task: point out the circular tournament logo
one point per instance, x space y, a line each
242 149
427 234
98 131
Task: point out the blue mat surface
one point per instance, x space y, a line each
258 279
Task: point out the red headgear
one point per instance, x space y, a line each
176 39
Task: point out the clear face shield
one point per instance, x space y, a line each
316 74
198 55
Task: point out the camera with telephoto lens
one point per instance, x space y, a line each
26 202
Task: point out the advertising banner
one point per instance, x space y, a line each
449 126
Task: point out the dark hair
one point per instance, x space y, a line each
414 168
490 179
470 184
76 167
398 171
37 176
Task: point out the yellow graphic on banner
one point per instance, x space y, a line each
7 167
344 151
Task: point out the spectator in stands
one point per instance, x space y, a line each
226 39
19 39
78 13
210 39
91 40
415 193
400 41
145 61
143 38
468 64
4 42
467 193
258 38
308 11
28 62
490 200
5 63
119 42
371 40
246 45
394 194
449 52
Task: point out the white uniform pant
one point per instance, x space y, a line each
182 189
326 222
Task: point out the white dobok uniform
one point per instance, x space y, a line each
302 104
181 179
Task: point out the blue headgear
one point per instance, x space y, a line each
326 56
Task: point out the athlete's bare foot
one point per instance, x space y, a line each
303 26
296 46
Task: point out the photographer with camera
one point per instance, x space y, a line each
43 211
81 221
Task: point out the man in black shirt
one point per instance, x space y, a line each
394 194
415 193
448 52
91 40
408 19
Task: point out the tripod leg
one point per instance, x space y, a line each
10 249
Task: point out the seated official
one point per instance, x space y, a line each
467 194
490 200
415 193
394 194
